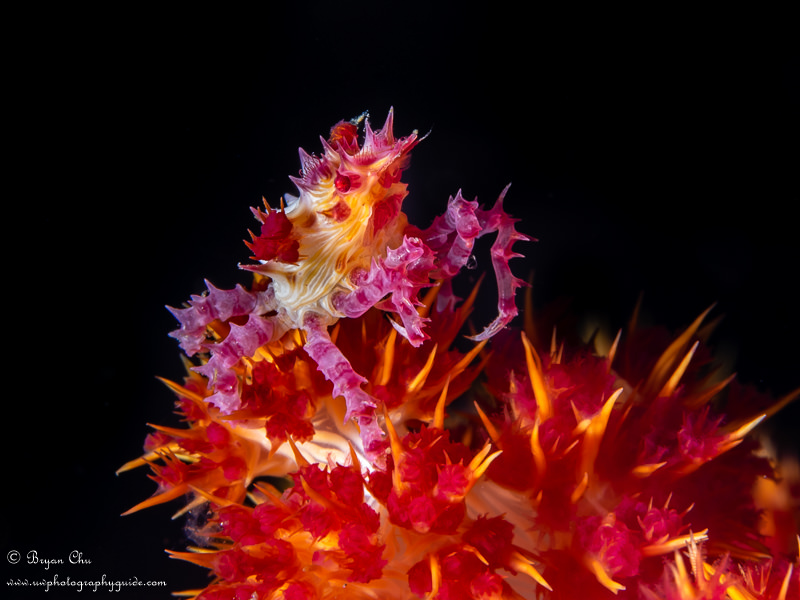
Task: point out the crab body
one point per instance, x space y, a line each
347 214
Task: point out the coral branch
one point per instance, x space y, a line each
326 451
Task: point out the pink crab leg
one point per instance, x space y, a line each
498 220
452 237
217 304
459 223
405 270
242 340
346 382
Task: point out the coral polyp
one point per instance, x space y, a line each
344 438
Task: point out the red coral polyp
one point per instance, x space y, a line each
431 477
275 242
492 537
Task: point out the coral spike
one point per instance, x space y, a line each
298 457
735 437
681 576
438 415
478 465
707 395
269 492
642 471
518 562
181 433
672 382
743 430
582 423
780 404
422 376
170 494
478 473
599 571
388 358
397 451
674 544
209 497
138 462
428 299
188 507
474 551
182 391
478 458
580 489
543 403
612 353
664 365
733 591
494 435
633 322
317 497
468 357
736 594
594 433
539 458
436 574
785 585
187 593
152 456
354 456
202 557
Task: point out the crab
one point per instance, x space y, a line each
339 248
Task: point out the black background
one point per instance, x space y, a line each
652 153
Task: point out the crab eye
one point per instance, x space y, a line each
342 183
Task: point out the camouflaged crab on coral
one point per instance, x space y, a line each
339 443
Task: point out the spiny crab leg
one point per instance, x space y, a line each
452 237
498 220
346 382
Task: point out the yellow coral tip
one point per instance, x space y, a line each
602 577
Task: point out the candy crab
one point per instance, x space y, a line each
340 247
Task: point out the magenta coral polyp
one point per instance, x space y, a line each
324 452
